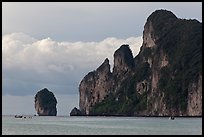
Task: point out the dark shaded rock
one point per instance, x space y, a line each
76 112
123 60
45 103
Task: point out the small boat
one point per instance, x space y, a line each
171 118
18 116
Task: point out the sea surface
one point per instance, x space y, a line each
66 125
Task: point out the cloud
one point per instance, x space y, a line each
29 64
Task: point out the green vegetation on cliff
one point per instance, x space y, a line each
126 101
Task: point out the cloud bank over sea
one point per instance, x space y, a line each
30 64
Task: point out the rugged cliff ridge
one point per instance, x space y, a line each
95 86
164 79
45 103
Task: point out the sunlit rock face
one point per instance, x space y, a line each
45 103
95 86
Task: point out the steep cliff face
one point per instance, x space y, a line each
95 86
123 67
163 79
45 103
123 61
101 84
194 107
175 61
158 24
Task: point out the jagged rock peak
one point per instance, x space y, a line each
95 86
105 66
123 59
106 61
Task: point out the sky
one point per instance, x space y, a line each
54 45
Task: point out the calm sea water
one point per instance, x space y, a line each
51 125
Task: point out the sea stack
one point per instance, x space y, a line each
45 103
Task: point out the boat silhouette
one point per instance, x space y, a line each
171 118
18 116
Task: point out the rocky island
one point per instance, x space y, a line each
164 79
76 112
45 103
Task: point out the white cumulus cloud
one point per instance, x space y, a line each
48 62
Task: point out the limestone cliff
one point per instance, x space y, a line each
95 86
45 103
123 61
163 79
